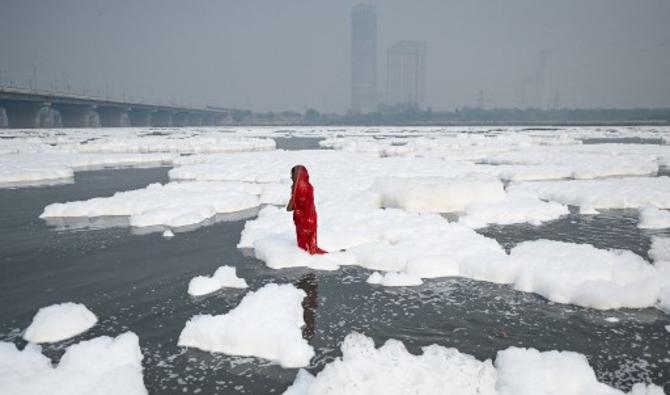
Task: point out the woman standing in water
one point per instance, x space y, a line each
304 211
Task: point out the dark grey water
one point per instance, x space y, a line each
138 282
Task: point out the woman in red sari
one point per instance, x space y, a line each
304 211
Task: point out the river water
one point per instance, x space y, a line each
138 282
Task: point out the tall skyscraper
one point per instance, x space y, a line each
406 73
363 58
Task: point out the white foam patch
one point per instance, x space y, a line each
102 366
173 204
527 371
603 194
583 275
362 369
59 322
182 144
579 161
428 246
49 166
20 172
437 194
653 218
515 208
336 176
394 279
265 324
391 369
42 156
223 277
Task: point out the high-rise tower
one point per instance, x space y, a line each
406 73
363 58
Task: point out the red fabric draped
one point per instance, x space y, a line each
304 211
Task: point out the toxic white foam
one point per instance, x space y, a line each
59 322
653 218
103 366
172 204
223 277
265 324
391 369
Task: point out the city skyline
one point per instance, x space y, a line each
295 55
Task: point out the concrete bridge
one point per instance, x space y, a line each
25 108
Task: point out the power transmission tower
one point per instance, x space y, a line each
480 99
540 77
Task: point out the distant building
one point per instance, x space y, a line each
406 73
363 58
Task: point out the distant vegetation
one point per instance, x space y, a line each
403 115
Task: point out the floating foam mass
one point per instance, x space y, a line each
608 193
173 204
59 322
515 208
653 218
363 369
224 277
101 366
584 275
391 369
437 194
265 324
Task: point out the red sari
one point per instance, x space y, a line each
304 211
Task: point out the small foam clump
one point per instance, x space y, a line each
394 279
59 322
391 370
265 324
101 366
224 277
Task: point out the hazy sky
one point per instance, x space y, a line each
295 54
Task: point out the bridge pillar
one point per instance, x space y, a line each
220 119
180 119
78 116
161 119
25 114
208 120
140 117
114 117
194 119
4 122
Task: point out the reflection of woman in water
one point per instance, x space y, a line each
304 211
309 305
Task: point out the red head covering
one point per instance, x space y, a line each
304 211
